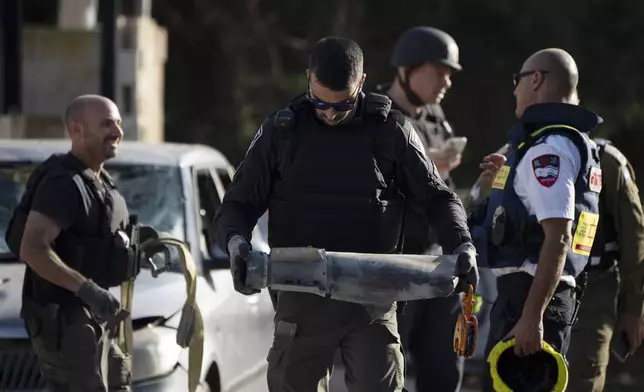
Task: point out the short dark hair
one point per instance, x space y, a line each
337 62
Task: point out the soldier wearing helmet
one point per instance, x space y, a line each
425 58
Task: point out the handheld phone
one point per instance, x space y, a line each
456 144
619 346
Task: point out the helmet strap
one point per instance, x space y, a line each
412 97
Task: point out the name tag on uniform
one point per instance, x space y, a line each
501 177
585 233
595 181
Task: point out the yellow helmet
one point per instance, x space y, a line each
545 371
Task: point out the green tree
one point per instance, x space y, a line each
231 63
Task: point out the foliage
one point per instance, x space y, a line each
231 63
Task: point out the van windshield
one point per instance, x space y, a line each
152 192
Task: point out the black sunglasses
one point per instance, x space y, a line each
518 76
342 106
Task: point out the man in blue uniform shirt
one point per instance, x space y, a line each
540 218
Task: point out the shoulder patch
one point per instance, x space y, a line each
546 169
595 181
415 142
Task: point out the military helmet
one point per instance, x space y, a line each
544 371
421 44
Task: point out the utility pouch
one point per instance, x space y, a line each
117 266
43 322
123 262
117 270
133 264
580 288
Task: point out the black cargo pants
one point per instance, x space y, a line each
66 342
512 292
426 328
310 329
427 331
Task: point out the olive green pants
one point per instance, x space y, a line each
589 351
627 376
309 330
66 342
592 366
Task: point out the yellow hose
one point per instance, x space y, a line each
190 332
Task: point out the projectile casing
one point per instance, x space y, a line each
354 277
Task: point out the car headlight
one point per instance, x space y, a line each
156 352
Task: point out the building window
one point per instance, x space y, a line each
128 100
38 12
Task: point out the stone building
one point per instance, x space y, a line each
61 58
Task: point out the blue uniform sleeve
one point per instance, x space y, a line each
246 198
422 185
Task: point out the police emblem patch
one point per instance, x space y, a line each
546 169
595 181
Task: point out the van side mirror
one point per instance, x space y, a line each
218 259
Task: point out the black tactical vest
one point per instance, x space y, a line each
509 235
94 248
434 131
336 186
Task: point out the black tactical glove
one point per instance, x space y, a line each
149 245
147 233
101 302
239 251
466 269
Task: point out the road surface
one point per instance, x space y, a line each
337 382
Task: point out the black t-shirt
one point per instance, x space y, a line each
86 213
58 198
